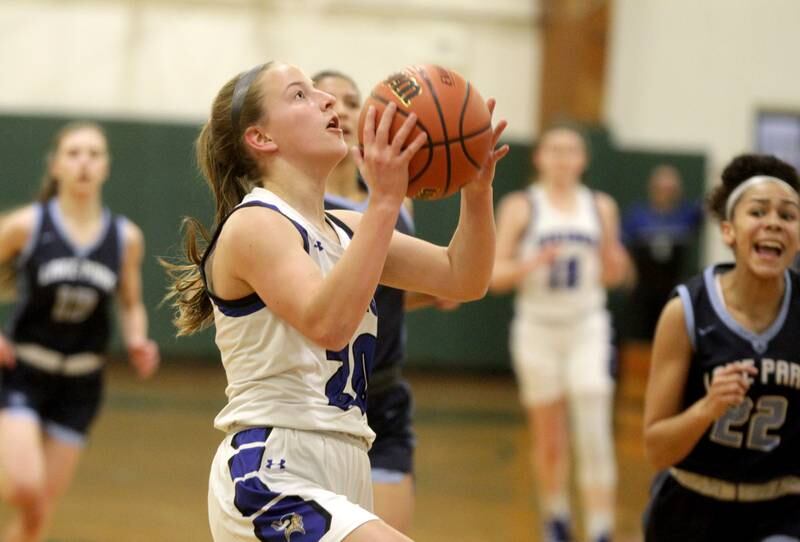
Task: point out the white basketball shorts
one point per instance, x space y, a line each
554 360
275 484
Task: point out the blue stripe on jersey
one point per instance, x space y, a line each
249 436
332 219
251 303
688 313
300 229
251 495
238 307
759 341
58 223
26 252
245 461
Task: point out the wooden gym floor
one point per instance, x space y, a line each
144 474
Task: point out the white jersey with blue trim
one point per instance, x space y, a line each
276 376
571 286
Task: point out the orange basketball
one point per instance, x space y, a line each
453 115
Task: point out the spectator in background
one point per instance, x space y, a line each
658 234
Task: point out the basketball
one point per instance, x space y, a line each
453 115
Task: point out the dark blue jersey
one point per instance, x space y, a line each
64 291
760 439
391 347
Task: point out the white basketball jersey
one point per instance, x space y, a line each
276 376
571 286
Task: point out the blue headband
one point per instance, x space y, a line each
240 91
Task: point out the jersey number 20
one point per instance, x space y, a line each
345 389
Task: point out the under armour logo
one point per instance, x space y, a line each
318 245
281 464
289 524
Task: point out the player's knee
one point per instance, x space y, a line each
549 451
594 444
26 493
597 469
597 465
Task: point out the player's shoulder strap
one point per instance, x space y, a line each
339 222
696 302
252 203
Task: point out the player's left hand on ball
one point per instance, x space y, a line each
144 357
486 175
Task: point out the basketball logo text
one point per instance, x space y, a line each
426 193
445 77
404 86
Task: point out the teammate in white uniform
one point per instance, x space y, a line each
557 245
289 288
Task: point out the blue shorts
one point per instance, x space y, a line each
678 513
65 405
389 413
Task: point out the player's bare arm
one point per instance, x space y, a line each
617 268
142 352
669 433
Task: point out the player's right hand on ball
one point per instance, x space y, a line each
384 163
486 175
7 357
729 385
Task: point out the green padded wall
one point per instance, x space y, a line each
476 335
154 182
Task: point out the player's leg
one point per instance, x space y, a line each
538 367
394 499
551 459
70 406
60 463
391 455
376 531
591 406
22 473
22 462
